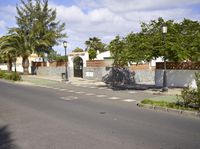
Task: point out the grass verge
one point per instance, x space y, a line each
165 104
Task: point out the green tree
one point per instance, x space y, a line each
77 49
96 44
118 50
92 54
8 50
181 39
54 56
37 29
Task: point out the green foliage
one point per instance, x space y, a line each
37 29
188 96
2 73
181 42
191 96
119 52
37 22
94 44
92 54
77 49
53 56
160 103
10 75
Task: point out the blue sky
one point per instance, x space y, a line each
105 18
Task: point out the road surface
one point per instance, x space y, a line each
64 116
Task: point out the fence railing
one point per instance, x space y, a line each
51 64
179 65
95 63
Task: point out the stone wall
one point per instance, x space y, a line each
179 74
95 73
175 78
50 71
145 76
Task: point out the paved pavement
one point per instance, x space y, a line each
55 115
84 82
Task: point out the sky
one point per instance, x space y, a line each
104 18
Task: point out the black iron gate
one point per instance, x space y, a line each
78 67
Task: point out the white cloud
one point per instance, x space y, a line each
108 18
2 24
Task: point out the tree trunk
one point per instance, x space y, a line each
25 64
9 64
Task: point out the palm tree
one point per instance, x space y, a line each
37 29
8 49
95 43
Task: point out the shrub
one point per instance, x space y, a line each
191 97
15 76
2 74
10 75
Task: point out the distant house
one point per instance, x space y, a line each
32 58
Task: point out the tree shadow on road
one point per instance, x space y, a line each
6 141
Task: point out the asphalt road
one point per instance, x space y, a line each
63 116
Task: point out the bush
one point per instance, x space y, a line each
15 76
10 75
191 97
2 74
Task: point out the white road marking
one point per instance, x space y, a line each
62 89
92 87
90 94
68 98
129 100
79 92
84 86
132 92
71 91
114 98
46 86
101 96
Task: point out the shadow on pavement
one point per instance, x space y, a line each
131 87
123 79
6 141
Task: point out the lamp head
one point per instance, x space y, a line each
164 29
65 44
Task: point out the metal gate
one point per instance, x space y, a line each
78 67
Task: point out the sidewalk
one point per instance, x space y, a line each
150 88
72 80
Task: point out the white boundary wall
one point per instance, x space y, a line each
19 68
176 78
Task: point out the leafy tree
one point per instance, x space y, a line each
54 56
181 39
118 50
92 54
77 49
190 32
37 29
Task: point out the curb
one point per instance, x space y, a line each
165 109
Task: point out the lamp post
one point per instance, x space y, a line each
164 32
15 61
65 46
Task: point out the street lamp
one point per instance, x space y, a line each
164 32
65 46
